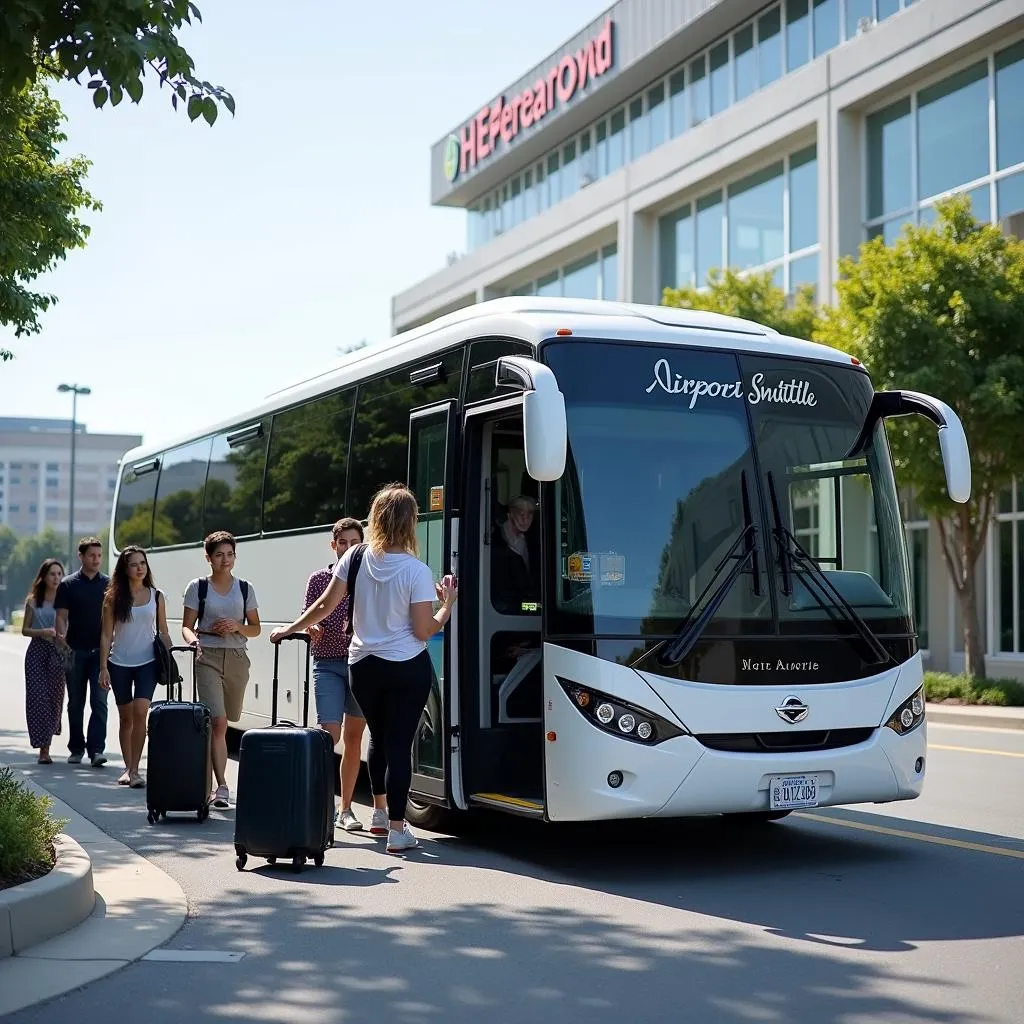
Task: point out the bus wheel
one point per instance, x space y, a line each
756 817
422 815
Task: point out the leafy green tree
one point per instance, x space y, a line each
41 197
942 311
754 296
113 42
28 554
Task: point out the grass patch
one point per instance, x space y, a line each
27 831
940 686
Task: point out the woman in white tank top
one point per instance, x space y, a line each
134 614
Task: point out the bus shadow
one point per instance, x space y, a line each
803 878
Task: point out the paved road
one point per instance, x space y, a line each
904 914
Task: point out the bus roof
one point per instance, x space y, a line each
531 319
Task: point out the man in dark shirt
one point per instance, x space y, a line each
79 605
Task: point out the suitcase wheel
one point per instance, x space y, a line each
240 861
153 817
203 813
318 860
298 862
271 861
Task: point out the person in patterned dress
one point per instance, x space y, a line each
44 664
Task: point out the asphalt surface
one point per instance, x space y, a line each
905 913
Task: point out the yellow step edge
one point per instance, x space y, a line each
514 801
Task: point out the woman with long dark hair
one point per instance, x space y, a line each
44 666
134 614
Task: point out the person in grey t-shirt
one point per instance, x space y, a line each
222 666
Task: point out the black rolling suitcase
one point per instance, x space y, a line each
179 763
284 806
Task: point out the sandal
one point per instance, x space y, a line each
125 778
45 760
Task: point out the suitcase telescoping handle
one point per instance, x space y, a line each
181 649
275 685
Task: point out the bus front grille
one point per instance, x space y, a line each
784 742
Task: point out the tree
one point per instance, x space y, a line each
942 311
754 296
114 42
40 199
8 539
28 554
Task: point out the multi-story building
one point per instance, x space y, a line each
670 137
35 476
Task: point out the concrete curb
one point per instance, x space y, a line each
63 898
137 907
976 717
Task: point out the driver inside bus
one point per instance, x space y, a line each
514 577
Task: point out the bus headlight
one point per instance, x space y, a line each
909 715
619 717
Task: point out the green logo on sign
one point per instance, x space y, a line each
451 158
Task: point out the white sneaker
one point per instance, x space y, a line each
348 821
379 825
399 842
222 797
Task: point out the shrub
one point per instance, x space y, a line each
27 831
940 686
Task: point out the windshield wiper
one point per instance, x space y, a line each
674 650
792 553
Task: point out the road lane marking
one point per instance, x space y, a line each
976 750
922 837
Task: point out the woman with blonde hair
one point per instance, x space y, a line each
393 617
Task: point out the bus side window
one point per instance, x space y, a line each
179 495
483 361
133 519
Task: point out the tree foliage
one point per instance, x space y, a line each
27 555
113 42
752 296
41 197
942 311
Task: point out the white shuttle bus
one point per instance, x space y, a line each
710 611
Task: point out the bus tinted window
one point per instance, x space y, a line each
234 487
483 361
380 439
133 519
179 496
307 464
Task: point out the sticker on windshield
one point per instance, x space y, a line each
791 392
581 567
613 570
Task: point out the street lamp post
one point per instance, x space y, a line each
75 390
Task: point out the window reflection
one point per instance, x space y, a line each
133 519
889 176
803 199
721 91
1009 108
709 235
677 103
700 90
179 495
826 26
745 63
769 46
234 484
798 34
756 218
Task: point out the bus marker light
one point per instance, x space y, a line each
582 698
552 736
563 332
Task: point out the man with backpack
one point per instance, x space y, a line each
219 616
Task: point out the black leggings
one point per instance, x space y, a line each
392 695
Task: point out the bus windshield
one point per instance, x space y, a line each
675 452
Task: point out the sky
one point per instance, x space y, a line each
231 261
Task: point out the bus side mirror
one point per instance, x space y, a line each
544 425
956 456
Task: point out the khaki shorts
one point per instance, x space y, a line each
222 674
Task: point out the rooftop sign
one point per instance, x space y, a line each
504 120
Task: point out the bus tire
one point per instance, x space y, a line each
428 816
756 817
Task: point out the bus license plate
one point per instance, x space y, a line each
786 792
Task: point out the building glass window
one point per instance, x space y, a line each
916 525
610 272
803 199
550 284
1009 108
745 62
601 146
554 179
826 26
616 140
709 235
530 204
570 169
756 228
657 114
721 92
887 8
639 129
769 46
804 271
587 161
677 248
855 10
677 103
1010 571
700 90
581 279
952 131
798 34
950 122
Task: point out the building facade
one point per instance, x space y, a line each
670 137
35 476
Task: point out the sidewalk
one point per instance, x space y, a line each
138 907
974 715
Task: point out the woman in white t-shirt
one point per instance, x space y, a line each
391 674
134 614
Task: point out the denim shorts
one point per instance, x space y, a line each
122 677
333 693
